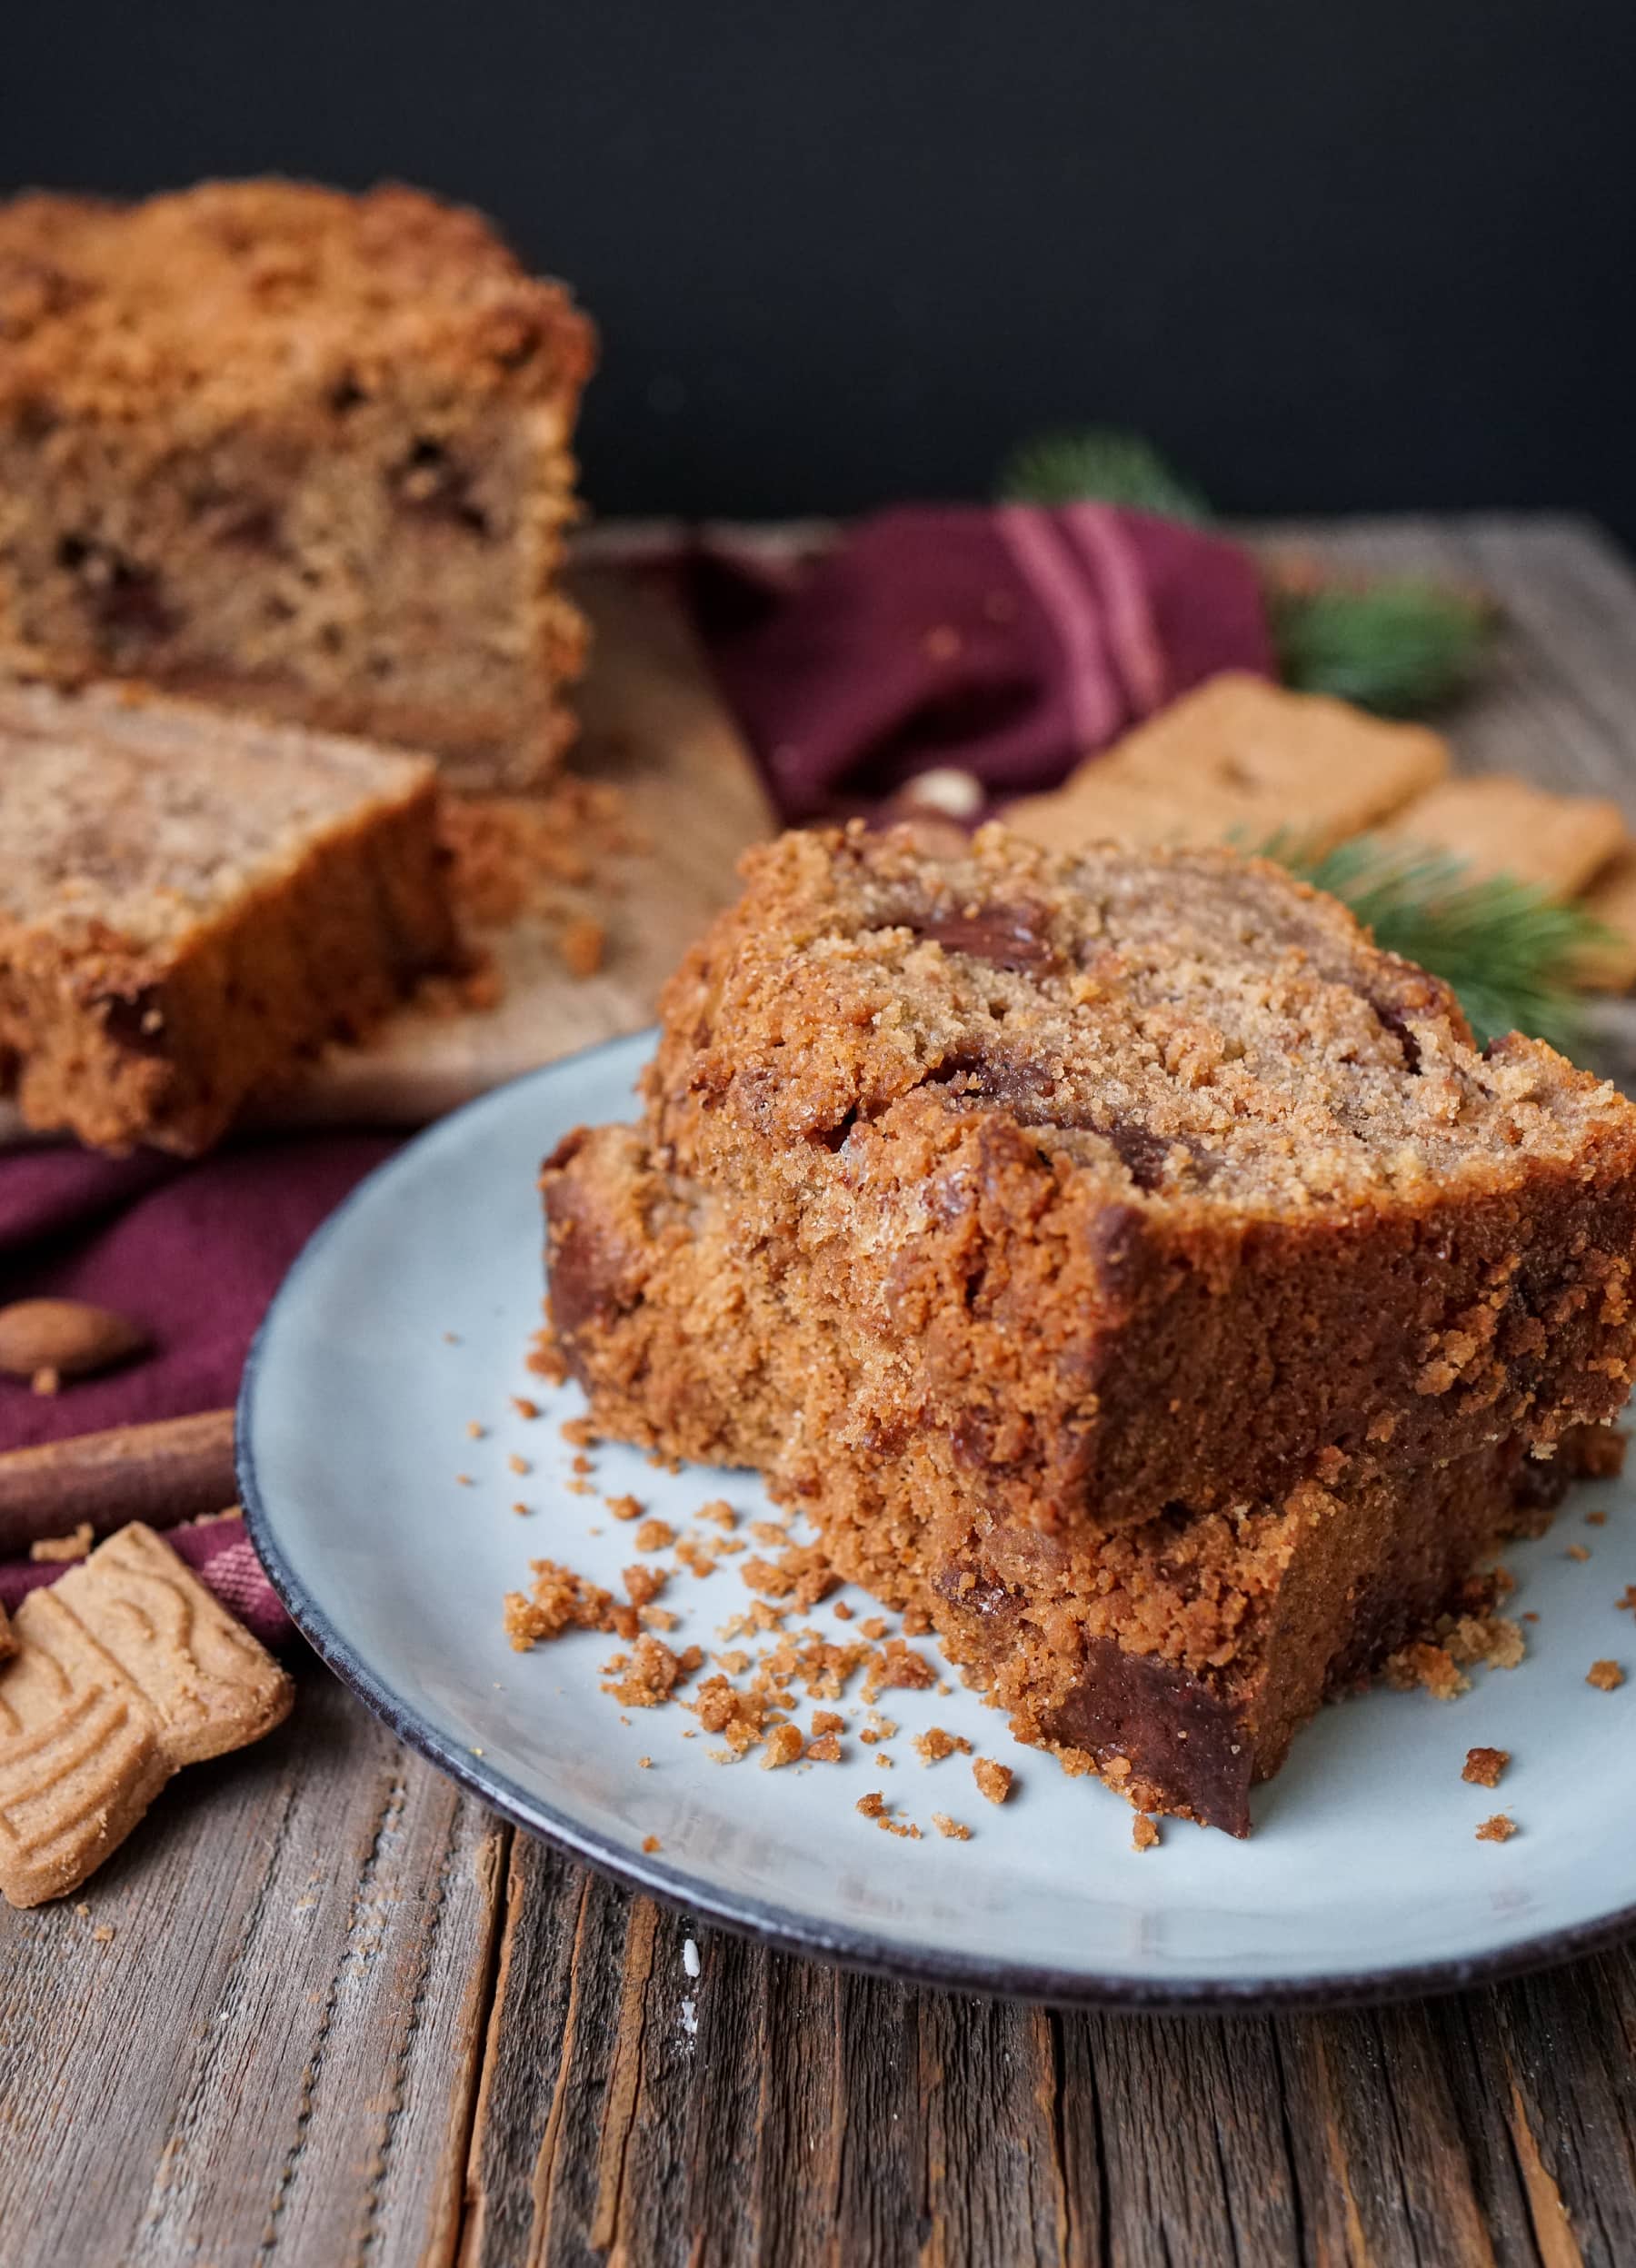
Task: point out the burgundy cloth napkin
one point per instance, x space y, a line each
1011 642
194 1254
1008 642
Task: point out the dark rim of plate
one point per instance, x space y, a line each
781 1926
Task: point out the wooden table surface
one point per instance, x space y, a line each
346 2015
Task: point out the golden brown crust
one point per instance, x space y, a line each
221 292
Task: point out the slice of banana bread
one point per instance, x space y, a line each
1124 1262
306 451
1120 1181
189 900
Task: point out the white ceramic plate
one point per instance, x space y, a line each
408 1316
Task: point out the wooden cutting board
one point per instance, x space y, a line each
653 725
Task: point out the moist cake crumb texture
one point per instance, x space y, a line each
978 1199
190 903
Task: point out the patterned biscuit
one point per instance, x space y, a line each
1244 759
124 1671
213 1686
81 1757
1098 804
1502 825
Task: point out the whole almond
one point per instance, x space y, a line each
64 1336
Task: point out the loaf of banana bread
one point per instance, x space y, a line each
1122 1241
190 900
274 445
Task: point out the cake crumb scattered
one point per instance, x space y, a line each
1431 1666
648 1676
874 1627
1578 1551
825 1751
579 1433
560 1600
583 944
1604 1675
522 1508
898 1665
949 1829
644 1763
826 1721
739 1717
1499 1829
785 1745
475 1429
643 1584
102 1935
800 1574
654 1536
872 1806
54 1550
523 1407
518 1464
843 1612
625 1508
465 1480
1596 1519
544 1359
719 1513
994 1780
1483 1765
651 1843
1144 1832
933 1744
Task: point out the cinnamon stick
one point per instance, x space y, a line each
176 1469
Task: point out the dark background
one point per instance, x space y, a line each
1328 254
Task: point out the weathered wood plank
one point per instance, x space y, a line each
1173 2141
275 2056
1565 2073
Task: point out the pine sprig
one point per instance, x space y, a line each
1507 948
1100 465
1400 646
